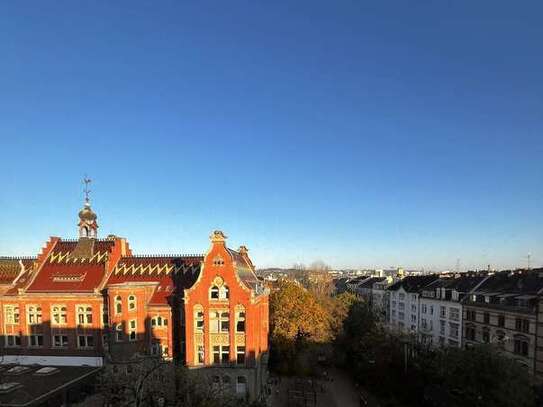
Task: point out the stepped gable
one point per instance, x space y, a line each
73 266
244 269
171 273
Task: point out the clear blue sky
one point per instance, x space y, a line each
405 133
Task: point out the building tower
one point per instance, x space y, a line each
87 218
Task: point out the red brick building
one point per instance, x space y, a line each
91 301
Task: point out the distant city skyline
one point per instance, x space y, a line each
364 136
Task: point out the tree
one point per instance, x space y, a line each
293 310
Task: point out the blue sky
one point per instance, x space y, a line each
404 133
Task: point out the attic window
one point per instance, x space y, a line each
9 387
218 261
46 371
17 370
68 278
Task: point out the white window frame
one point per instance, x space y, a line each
34 312
60 311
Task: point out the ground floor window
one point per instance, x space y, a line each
12 341
240 355
60 341
36 341
241 385
85 341
200 355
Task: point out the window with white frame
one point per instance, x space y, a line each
12 341
413 308
132 325
85 341
453 329
221 354
423 308
401 296
442 311
240 355
35 341
119 333
59 315
60 341
240 319
34 314
200 355
131 303
454 314
84 315
11 314
198 318
219 321
159 321
118 304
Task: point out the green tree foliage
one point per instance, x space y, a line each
398 368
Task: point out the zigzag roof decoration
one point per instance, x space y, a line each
60 257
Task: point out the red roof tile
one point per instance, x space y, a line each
172 274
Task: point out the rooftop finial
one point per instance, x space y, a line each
87 181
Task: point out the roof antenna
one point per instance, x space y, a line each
529 258
87 181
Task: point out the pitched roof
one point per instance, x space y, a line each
11 267
171 273
517 282
73 266
370 282
244 270
413 283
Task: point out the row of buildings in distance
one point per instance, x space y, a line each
504 309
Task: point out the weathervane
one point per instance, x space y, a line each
87 181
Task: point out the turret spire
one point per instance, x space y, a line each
87 218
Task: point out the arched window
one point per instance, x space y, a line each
118 305
34 315
214 293
131 303
119 333
60 314
84 315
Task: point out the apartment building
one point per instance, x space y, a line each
503 311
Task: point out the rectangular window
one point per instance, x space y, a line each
11 314
413 318
240 355
501 320
36 341
201 355
214 324
521 347
442 327
401 305
132 336
199 321
423 308
442 311
431 310
453 330
401 315
486 317
60 341
454 314
12 341
402 296
413 308
240 321
85 341
221 354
